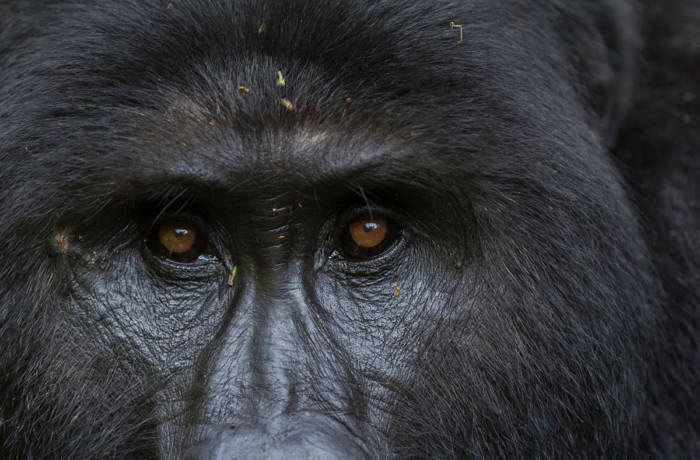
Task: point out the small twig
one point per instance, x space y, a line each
232 275
457 26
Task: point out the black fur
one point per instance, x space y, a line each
545 170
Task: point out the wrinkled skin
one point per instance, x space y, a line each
538 296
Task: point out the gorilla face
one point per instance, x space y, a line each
332 229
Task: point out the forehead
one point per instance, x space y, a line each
198 91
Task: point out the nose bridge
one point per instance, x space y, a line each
259 357
275 351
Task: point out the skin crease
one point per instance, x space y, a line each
534 168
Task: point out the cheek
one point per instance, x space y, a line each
121 299
384 317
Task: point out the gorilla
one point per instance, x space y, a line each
346 229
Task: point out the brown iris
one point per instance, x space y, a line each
368 233
178 241
368 237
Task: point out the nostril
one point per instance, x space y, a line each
291 438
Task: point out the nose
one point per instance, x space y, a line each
288 437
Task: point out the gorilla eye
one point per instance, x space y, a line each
368 233
367 237
178 241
